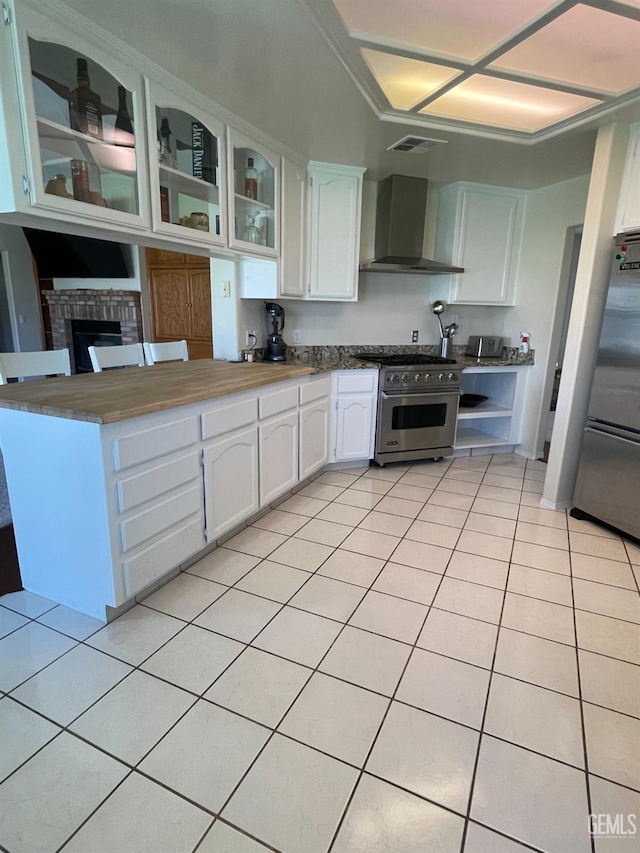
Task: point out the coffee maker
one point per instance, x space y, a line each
276 347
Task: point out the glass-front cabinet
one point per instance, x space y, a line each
254 183
186 157
83 115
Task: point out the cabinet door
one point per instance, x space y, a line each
293 277
628 217
314 437
278 456
254 196
335 196
230 481
169 293
165 258
187 168
488 247
354 427
82 111
200 304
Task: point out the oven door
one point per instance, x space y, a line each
416 421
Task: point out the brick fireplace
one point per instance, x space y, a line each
100 306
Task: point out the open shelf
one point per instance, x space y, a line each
243 201
484 410
470 437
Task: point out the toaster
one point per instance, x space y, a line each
484 346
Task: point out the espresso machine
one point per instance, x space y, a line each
276 347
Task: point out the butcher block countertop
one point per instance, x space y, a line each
116 395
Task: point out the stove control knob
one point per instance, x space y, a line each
392 378
427 377
452 377
404 378
417 377
442 378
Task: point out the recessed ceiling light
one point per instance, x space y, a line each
406 82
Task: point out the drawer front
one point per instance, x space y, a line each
229 418
152 562
152 443
137 529
157 481
315 390
356 381
278 401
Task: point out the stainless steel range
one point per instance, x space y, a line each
417 406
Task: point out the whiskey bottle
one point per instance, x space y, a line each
251 180
85 106
124 125
167 156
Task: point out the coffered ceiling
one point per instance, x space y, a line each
511 69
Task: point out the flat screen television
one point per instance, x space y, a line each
69 256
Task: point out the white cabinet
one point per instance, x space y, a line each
335 199
480 228
188 180
628 217
64 166
278 456
355 393
314 437
230 481
293 259
497 421
254 196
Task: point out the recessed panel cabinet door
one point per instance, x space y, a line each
278 456
354 427
314 437
169 291
230 481
200 304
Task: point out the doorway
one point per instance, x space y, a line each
559 339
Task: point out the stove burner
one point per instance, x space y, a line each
403 360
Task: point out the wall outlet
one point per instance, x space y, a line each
250 338
296 336
414 336
226 289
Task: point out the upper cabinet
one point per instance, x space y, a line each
254 196
480 228
335 201
628 218
81 111
187 169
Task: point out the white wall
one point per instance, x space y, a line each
21 289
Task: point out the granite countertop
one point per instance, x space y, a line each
117 395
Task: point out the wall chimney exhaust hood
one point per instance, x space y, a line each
400 216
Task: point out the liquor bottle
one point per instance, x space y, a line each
85 106
124 125
167 156
251 180
80 180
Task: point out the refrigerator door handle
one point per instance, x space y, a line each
612 435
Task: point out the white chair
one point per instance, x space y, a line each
17 365
129 355
171 351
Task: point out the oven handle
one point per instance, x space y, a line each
436 392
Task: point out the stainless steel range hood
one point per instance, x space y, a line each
400 216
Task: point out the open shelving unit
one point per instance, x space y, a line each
495 422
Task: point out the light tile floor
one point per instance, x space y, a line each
402 660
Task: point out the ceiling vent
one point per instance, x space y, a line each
414 144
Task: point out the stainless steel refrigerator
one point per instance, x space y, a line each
608 485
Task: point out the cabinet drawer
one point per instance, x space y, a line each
315 390
227 418
155 442
356 380
165 554
157 481
137 529
278 401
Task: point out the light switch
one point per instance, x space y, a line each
226 289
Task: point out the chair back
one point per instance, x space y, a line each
170 351
129 355
18 365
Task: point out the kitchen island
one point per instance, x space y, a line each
117 479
